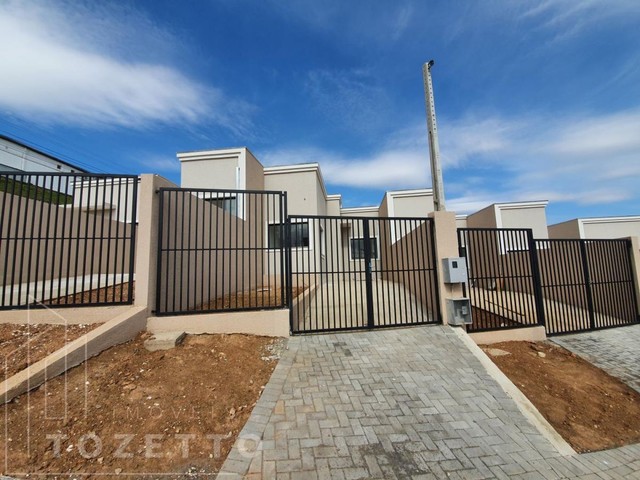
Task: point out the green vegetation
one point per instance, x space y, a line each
29 190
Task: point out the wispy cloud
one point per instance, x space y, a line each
587 160
360 23
569 18
63 63
158 162
350 99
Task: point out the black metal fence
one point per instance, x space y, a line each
221 250
566 285
355 273
504 285
66 239
587 284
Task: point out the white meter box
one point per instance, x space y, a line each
454 270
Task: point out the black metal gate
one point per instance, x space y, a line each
587 284
504 283
351 273
67 239
220 250
566 285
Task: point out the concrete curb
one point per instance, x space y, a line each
524 404
120 329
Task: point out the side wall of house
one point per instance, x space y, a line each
565 230
525 217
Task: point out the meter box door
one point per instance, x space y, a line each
458 311
454 269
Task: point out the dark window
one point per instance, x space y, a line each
299 235
357 248
228 204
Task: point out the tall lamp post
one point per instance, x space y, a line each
434 148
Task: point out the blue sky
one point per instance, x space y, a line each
535 99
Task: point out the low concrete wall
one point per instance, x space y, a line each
118 330
270 323
63 316
531 334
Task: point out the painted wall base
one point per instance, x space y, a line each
270 323
529 334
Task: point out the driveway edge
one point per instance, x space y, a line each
524 404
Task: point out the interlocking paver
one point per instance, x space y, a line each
615 350
405 403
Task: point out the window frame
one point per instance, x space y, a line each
374 243
275 224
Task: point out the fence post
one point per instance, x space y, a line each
536 277
446 245
634 245
147 240
587 283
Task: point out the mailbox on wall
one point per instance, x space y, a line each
458 311
454 270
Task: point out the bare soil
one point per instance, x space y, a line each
589 408
173 413
24 345
262 297
483 319
111 294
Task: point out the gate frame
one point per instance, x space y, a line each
435 310
283 218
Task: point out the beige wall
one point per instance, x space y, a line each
485 218
210 173
254 172
301 187
568 229
333 206
525 217
419 205
412 255
211 268
613 228
55 243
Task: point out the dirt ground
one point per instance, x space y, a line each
130 411
110 294
24 345
589 408
484 319
255 298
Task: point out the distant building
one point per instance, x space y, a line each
16 156
597 227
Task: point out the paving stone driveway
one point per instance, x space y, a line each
615 350
402 403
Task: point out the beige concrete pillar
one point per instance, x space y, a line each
635 263
446 235
147 241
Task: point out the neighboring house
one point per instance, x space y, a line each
597 228
16 156
512 215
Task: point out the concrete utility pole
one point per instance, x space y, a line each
434 148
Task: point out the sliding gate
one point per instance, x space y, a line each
351 273
567 286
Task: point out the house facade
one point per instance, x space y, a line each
597 227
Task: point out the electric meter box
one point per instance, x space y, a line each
458 311
454 269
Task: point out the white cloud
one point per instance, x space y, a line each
160 163
587 160
65 64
